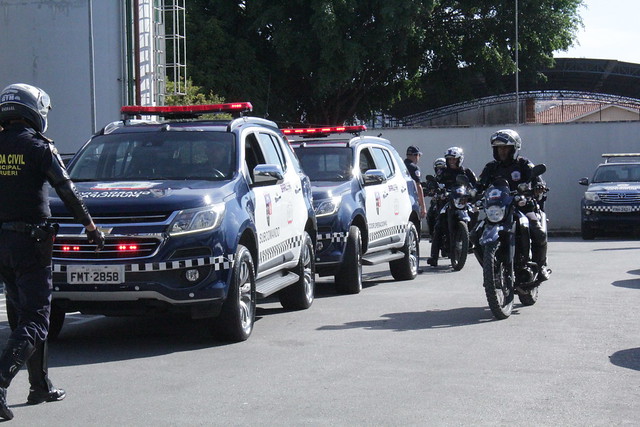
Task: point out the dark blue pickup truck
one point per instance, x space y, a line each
201 217
365 201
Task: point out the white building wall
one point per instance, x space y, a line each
570 151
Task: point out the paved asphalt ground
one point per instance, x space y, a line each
425 352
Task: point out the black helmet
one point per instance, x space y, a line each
23 101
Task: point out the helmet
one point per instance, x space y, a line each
456 153
439 163
23 101
506 137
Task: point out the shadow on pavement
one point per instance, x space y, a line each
629 358
430 319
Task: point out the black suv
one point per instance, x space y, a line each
612 199
201 217
365 201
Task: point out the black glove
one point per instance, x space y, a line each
96 236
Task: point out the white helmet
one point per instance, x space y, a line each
439 163
456 153
506 137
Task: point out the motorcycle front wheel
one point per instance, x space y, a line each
497 282
459 245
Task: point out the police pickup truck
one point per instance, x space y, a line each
200 216
365 201
612 199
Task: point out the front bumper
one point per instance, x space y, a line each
611 217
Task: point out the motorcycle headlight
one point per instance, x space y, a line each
460 202
591 196
195 220
495 213
327 206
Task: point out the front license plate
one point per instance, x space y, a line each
95 274
621 208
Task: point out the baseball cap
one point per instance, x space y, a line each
412 149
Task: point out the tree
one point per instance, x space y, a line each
330 61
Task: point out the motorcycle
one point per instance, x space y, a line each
457 210
504 249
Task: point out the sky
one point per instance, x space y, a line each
611 31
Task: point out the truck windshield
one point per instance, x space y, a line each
326 163
617 173
157 156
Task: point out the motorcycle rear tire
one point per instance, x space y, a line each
459 245
497 282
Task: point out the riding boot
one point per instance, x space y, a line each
41 389
435 249
14 355
539 256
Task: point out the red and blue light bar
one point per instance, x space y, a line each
324 130
182 110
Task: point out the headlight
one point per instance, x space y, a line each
460 202
591 196
495 213
327 206
199 219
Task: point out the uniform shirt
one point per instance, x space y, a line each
447 176
515 172
25 156
414 170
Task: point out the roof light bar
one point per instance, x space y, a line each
182 110
324 130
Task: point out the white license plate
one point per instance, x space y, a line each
95 274
621 208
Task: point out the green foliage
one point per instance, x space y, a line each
194 96
330 61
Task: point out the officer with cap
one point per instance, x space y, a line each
411 160
28 161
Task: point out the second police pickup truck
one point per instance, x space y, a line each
200 217
365 201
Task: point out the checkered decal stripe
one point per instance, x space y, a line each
281 248
616 209
218 263
335 237
390 231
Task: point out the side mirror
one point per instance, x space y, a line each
539 169
267 175
373 177
583 181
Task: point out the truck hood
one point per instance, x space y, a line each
614 186
327 189
146 196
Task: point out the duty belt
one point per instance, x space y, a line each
18 226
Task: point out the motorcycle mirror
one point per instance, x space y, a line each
539 169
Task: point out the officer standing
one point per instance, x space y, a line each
28 161
411 160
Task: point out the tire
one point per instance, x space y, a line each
406 268
528 297
497 282
459 245
300 295
237 317
56 319
349 276
587 232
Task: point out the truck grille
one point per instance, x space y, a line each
120 219
619 197
77 248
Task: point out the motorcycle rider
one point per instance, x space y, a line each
435 204
454 156
507 164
